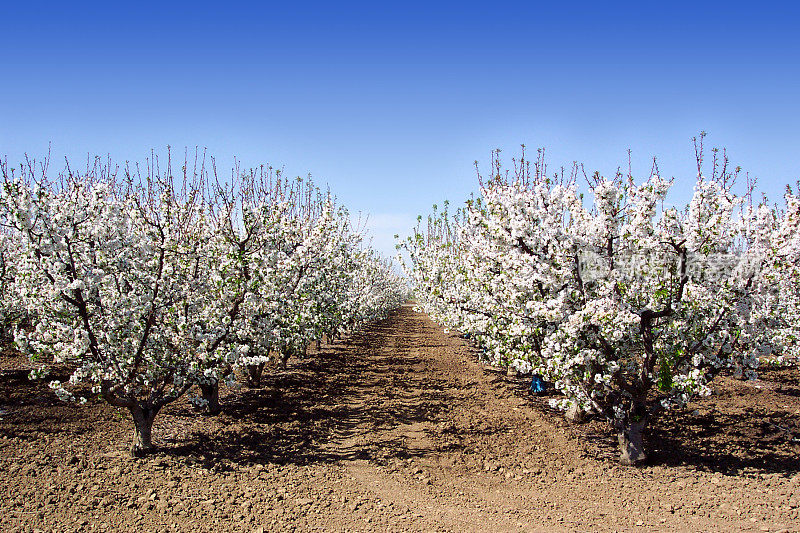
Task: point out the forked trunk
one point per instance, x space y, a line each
254 374
631 447
210 393
142 430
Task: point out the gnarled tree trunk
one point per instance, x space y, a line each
631 447
210 393
142 430
254 373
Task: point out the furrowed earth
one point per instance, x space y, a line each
397 428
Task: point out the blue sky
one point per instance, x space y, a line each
390 104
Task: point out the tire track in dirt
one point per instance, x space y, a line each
410 464
460 463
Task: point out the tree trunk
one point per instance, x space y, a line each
254 374
210 394
319 344
285 358
631 447
576 415
142 430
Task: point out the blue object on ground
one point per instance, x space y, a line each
537 384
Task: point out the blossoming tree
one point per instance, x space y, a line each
627 305
148 285
776 234
11 311
106 270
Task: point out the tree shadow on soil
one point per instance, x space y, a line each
30 409
729 444
344 403
722 438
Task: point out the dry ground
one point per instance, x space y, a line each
397 428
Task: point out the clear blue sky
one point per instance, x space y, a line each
390 103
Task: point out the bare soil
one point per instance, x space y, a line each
397 428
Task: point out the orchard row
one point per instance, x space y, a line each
628 304
147 284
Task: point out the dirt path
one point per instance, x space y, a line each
397 428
